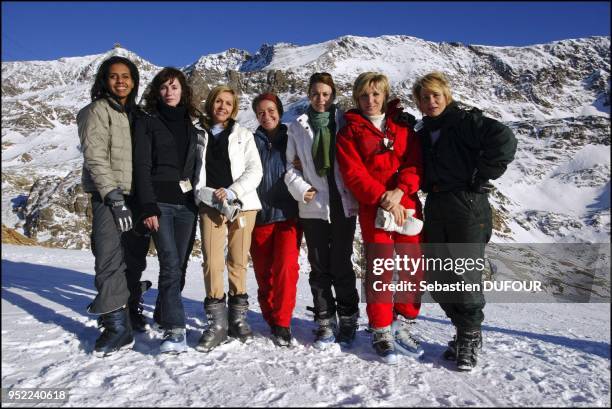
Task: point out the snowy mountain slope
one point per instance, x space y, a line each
555 96
559 183
483 76
503 81
534 354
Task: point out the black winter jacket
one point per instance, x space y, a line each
470 147
158 166
277 204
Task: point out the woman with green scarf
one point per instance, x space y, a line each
327 212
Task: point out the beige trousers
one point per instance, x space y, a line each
214 227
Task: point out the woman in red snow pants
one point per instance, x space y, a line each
380 161
276 239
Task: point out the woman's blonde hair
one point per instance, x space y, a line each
210 102
365 80
434 81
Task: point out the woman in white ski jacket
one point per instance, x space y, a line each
228 171
327 212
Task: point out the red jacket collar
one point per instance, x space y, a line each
354 116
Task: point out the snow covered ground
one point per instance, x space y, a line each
534 354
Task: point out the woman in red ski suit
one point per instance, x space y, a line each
380 161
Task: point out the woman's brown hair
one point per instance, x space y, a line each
152 96
324 78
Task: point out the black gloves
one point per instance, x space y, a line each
480 185
406 118
122 214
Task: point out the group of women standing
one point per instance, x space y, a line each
312 177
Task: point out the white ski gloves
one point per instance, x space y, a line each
229 208
411 227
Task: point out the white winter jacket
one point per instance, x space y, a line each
299 143
245 166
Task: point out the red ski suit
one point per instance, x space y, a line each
370 169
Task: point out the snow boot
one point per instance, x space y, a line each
137 318
157 327
174 342
281 336
450 354
347 329
384 344
216 333
238 306
117 332
467 345
405 342
326 333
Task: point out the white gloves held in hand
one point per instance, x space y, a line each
230 208
385 220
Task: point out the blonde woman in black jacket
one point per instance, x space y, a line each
462 151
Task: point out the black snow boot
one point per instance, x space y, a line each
216 333
347 329
467 345
137 318
117 332
325 335
281 336
450 353
238 306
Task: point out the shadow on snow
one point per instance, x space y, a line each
75 290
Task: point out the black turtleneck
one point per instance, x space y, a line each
175 118
218 165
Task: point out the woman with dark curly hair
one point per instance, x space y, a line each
164 167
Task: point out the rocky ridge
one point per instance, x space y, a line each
556 97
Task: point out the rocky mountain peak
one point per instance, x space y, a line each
555 96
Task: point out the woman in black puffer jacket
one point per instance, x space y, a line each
462 151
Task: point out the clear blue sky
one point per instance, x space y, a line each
178 33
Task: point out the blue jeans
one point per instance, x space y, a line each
176 226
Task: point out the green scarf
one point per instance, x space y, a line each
321 145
